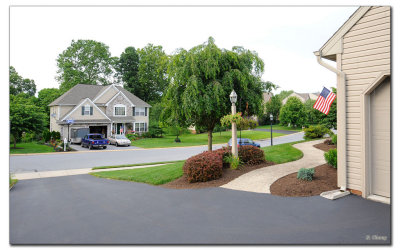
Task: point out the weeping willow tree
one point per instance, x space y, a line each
201 80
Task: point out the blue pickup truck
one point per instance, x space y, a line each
94 141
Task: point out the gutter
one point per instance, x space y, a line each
342 143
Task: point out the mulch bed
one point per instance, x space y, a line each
325 179
324 147
227 176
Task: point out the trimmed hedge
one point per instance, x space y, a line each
203 167
317 131
251 155
331 157
248 154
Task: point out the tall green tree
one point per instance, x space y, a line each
144 72
19 85
202 79
152 75
25 116
273 106
292 113
269 86
45 97
86 62
128 69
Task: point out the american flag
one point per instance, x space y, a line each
324 101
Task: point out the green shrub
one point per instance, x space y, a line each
203 167
306 174
334 139
251 155
233 161
55 135
46 135
317 131
28 137
331 157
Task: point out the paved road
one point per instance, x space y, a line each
96 158
88 210
78 147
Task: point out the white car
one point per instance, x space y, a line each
120 140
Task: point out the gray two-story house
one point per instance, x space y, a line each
103 109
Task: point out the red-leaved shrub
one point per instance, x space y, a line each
224 151
251 155
203 167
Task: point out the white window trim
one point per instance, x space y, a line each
119 106
137 113
144 126
86 109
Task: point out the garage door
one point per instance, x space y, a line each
380 139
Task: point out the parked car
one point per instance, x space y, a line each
94 141
244 141
120 140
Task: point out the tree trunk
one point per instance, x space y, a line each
210 140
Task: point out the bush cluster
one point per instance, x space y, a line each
251 155
208 165
224 152
203 167
306 174
331 157
316 131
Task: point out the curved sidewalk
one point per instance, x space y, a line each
260 180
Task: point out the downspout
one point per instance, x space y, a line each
342 143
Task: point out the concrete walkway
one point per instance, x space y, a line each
260 180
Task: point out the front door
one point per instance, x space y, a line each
119 128
380 139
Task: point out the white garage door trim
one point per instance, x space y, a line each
365 135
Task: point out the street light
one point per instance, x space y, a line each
233 98
271 117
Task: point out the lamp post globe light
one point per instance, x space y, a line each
271 118
233 98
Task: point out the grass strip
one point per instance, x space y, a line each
136 164
152 175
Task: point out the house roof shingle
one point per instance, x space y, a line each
82 91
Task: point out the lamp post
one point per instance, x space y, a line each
271 117
233 98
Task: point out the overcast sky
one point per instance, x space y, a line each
284 37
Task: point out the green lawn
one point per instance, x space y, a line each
282 153
279 127
31 147
151 175
12 182
198 139
166 173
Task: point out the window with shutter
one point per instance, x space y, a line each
133 111
87 110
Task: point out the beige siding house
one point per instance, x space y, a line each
302 96
361 49
102 109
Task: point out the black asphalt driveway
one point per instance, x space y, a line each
88 210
